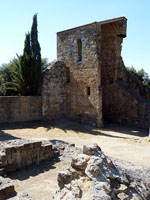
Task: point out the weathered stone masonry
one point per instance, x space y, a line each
83 98
89 82
53 91
123 102
21 153
20 108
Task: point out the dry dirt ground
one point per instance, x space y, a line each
40 182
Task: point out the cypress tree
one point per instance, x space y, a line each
36 57
27 76
26 66
31 66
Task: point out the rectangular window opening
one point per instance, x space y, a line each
79 46
88 91
67 75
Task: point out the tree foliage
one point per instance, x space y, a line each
31 64
11 80
140 74
7 75
22 75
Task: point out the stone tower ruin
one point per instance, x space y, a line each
89 82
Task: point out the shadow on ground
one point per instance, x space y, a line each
5 136
68 125
33 170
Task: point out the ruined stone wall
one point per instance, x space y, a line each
123 101
110 61
23 108
18 154
83 97
53 91
93 84
133 82
128 107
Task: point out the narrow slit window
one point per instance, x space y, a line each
67 75
88 91
79 45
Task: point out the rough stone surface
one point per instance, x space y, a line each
53 91
83 98
15 154
6 189
90 149
88 82
91 177
103 179
71 191
89 66
129 101
19 153
80 161
66 150
23 108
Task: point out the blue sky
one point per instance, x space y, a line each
56 15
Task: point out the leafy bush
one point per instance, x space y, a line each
10 77
22 75
140 74
6 78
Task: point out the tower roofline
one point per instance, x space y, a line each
99 22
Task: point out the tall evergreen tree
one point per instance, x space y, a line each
36 57
25 62
31 66
26 75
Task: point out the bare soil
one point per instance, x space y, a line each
40 182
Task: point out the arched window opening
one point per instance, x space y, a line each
79 46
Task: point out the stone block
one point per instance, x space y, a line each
6 189
37 144
13 155
42 157
24 154
29 162
19 148
9 150
10 161
11 168
47 147
29 146
3 157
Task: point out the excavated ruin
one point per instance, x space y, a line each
90 174
94 176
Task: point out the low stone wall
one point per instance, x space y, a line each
7 190
20 153
23 108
